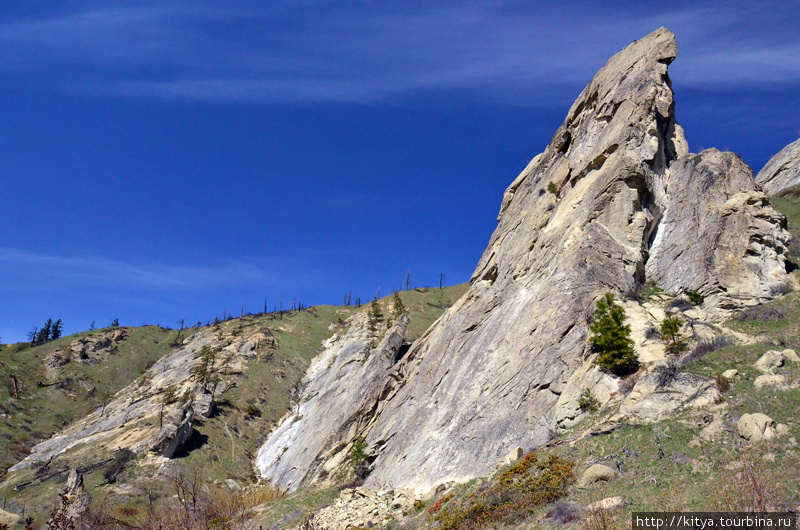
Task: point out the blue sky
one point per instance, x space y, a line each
167 160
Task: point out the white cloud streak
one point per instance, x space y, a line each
26 270
319 52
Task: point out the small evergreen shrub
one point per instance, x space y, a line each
552 188
587 402
670 331
611 338
359 458
695 298
723 383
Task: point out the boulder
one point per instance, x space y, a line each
176 431
511 457
596 473
773 359
730 374
609 503
769 380
204 405
782 171
756 427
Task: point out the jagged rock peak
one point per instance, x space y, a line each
782 171
614 201
582 219
629 101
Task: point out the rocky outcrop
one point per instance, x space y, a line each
614 201
175 432
344 389
662 393
133 418
773 360
782 171
363 508
94 347
718 234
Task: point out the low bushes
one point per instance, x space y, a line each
523 487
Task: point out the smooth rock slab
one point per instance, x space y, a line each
782 171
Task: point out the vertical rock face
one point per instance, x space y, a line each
782 171
613 202
718 234
343 391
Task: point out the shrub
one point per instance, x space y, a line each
761 312
250 410
781 289
695 298
587 402
651 289
666 373
359 458
723 383
750 487
611 338
118 465
704 347
518 491
552 188
564 512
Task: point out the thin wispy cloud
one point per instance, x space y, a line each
26 270
318 52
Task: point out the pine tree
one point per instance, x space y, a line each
56 330
45 332
32 335
611 337
204 372
398 309
670 330
375 314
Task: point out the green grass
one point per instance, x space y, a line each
41 411
223 446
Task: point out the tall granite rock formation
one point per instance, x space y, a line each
343 391
782 171
614 201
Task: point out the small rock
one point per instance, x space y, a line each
679 458
772 360
769 380
609 503
596 473
756 427
511 457
730 374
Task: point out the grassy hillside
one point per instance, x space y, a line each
51 398
221 447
